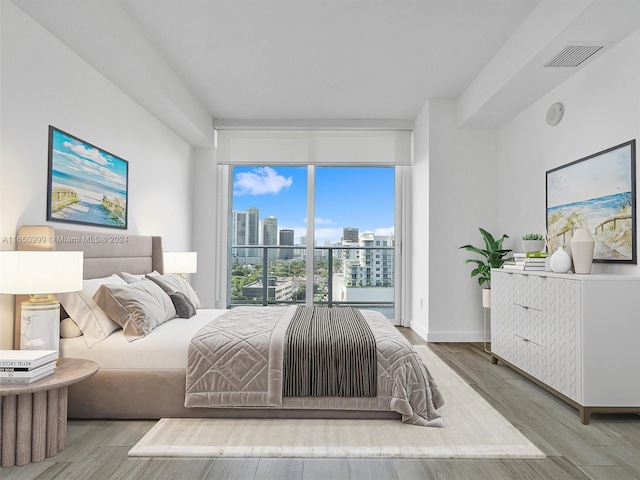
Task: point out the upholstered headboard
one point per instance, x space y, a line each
104 253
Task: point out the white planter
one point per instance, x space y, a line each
486 297
582 245
530 246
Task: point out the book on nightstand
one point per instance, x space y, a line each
46 368
26 360
32 379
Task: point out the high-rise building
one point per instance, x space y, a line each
371 267
253 230
270 234
350 234
239 232
286 238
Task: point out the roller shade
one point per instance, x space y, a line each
315 147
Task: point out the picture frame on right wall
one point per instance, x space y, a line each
597 192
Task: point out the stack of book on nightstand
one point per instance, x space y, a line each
26 366
527 261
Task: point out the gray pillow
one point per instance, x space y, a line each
137 307
175 283
184 307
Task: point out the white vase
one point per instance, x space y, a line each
582 245
560 261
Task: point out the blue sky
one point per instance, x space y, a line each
86 162
361 197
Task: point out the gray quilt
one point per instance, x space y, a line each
236 361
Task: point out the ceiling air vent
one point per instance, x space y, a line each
573 55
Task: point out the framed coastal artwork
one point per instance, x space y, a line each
87 185
597 192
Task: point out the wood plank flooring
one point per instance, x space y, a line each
607 448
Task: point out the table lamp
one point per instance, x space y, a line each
180 262
40 274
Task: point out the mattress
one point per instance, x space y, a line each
165 348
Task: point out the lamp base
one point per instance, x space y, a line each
40 326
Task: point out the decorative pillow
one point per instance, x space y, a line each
69 328
184 307
92 321
137 307
175 283
131 278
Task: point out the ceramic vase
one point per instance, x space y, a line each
560 261
582 245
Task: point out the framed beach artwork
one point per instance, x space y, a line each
87 185
597 192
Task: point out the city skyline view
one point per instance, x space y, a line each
361 197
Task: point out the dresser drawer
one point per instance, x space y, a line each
528 324
530 357
528 290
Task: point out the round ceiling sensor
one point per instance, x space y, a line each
554 114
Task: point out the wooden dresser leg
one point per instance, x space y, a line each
494 360
585 415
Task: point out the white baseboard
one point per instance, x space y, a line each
452 337
456 337
419 330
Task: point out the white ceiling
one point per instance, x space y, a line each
191 61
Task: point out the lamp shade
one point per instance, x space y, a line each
38 272
180 262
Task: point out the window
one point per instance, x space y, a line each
276 255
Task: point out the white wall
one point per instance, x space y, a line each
463 196
460 168
418 285
44 83
602 109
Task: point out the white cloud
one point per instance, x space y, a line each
260 181
320 221
328 234
385 231
91 168
88 153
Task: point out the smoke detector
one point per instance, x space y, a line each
554 114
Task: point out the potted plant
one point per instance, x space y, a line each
532 242
493 256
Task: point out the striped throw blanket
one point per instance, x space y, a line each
329 352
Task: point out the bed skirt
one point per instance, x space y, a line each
155 394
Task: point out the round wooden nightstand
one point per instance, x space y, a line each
34 416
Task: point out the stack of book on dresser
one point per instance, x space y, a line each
26 366
532 261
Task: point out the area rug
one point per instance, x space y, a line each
473 429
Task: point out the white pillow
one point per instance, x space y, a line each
92 321
172 282
131 278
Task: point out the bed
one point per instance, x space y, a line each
147 378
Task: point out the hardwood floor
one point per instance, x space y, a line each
607 448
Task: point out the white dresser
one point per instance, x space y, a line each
576 335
